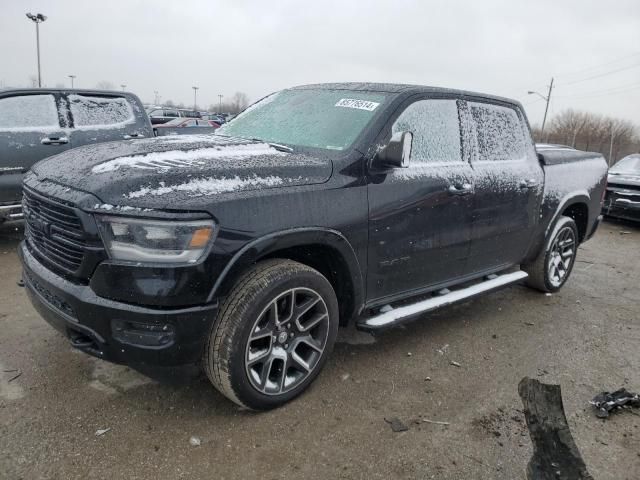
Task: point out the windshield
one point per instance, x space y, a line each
329 119
630 164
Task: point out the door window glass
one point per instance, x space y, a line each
499 132
28 113
435 125
100 112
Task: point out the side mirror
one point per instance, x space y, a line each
541 159
396 153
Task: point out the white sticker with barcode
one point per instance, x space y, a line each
359 104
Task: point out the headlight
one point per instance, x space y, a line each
156 241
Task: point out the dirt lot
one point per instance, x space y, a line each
584 338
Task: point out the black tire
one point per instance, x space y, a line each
539 269
227 355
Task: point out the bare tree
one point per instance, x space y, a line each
169 103
612 137
33 80
105 85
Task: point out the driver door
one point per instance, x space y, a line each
420 217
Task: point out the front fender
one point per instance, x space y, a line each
297 237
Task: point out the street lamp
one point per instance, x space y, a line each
38 18
220 103
546 99
71 77
156 98
195 96
123 86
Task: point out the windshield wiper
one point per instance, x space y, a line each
277 146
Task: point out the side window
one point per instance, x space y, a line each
156 113
435 125
171 113
29 113
100 112
499 132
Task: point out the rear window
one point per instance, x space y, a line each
28 113
100 112
499 132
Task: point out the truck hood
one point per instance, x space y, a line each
179 171
626 178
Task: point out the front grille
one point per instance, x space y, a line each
622 186
54 231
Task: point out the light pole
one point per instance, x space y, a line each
195 97
38 18
156 98
123 86
546 109
71 77
220 103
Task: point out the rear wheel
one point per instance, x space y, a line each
273 334
553 265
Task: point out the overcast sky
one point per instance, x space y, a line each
507 47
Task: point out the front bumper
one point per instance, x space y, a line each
622 203
116 331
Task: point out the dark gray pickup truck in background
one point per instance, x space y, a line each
38 123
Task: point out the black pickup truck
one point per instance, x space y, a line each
36 123
317 206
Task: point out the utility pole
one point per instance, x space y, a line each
220 103
38 18
71 77
546 108
195 97
611 146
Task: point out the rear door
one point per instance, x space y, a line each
420 217
103 118
30 130
508 182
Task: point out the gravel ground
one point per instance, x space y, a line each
584 338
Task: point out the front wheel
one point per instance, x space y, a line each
272 335
553 265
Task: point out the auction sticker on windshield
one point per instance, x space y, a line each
359 104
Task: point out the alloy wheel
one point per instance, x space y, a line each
561 255
286 341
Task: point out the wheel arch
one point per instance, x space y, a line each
575 206
325 250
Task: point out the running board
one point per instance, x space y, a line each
401 314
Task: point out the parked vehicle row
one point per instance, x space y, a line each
186 126
622 199
38 123
321 205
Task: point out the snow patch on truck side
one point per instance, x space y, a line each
211 186
163 161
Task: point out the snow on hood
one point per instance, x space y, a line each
178 172
162 161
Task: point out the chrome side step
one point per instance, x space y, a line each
395 316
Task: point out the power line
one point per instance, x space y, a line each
595 67
620 88
611 72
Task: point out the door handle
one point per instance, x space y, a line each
133 135
463 189
54 140
524 184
